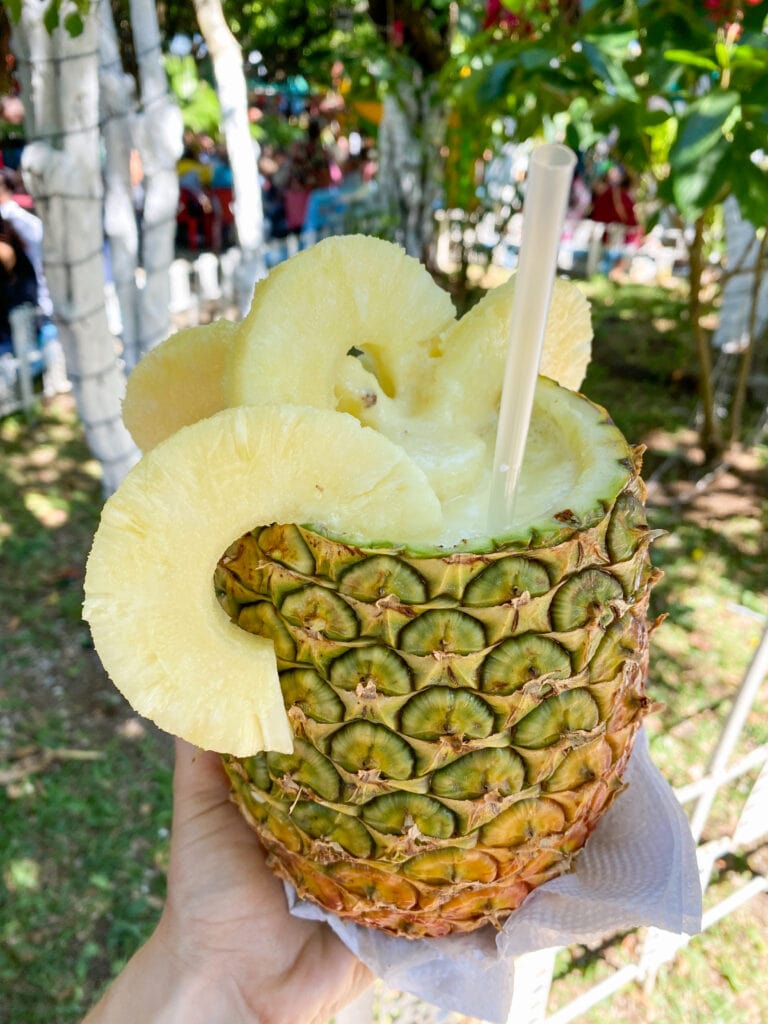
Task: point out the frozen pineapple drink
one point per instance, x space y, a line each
422 718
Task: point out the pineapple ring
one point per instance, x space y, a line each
407 377
475 348
345 292
161 634
177 383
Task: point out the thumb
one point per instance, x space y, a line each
199 782
202 811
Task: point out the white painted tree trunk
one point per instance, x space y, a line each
117 106
411 134
156 132
159 138
62 170
233 96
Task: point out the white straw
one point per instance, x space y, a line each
546 199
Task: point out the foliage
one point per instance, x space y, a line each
291 36
74 11
197 99
677 90
680 95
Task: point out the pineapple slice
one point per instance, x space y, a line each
568 336
161 634
429 383
345 293
475 349
179 382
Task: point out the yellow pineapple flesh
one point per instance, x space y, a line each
177 383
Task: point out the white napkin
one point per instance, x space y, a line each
638 868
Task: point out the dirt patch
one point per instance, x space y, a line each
736 486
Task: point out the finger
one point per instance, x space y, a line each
204 818
199 782
213 849
198 769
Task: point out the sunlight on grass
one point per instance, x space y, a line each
51 512
22 873
663 324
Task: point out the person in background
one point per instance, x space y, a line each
29 230
612 202
274 172
580 196
12 113
194 180
12 110
18 284
310 169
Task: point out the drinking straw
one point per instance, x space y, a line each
546 199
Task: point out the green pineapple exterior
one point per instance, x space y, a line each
462 719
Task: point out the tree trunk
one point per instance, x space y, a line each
159 138
233 96
117 106
411 134
710 434
61 168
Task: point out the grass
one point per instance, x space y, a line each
83 840
85 785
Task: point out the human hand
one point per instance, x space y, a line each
226 949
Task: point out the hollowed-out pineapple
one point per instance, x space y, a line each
422 721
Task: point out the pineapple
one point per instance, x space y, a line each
193 361
422 721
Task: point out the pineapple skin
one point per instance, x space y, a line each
461 721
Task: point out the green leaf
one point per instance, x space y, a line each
749 180
701 127
609 71
536 57
723 55
749 56
750 186
14 9
694 60
73 24
51 16
612 40
495 82
701 183
661 136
